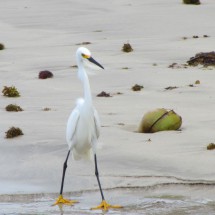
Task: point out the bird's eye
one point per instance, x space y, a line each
85 56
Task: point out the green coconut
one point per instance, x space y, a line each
160 120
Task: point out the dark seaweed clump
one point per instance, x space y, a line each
104 94
137 87
13 132
10 91
127 48
211 146
203 58
13 108
196 2
2 46
45 74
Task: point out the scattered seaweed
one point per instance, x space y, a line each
45 74
210 146
195 2
104 94
137 87
13 108
203 58
127 48
195 37
13 132
10 91
2 46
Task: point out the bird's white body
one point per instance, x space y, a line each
83 129
83 126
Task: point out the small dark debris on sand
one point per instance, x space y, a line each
211 146
121 123
195 36
127 48
116 94
46 109
178 66
45 74
190 85
171 88
137 87
203 58
83 43
13 132
104 94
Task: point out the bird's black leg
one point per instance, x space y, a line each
64 171
104 205
97 176
60 199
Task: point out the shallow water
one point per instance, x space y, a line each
177 199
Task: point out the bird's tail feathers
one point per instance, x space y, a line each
86 156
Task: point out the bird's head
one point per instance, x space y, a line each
83 53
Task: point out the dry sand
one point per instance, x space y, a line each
42 35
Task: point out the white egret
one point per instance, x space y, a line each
83 129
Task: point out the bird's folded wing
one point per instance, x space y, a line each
97 123
71 125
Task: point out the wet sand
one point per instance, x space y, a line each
159 199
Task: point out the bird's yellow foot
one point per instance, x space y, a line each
105 206
61 200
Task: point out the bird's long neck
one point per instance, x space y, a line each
84 78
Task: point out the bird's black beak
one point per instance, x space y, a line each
95 62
